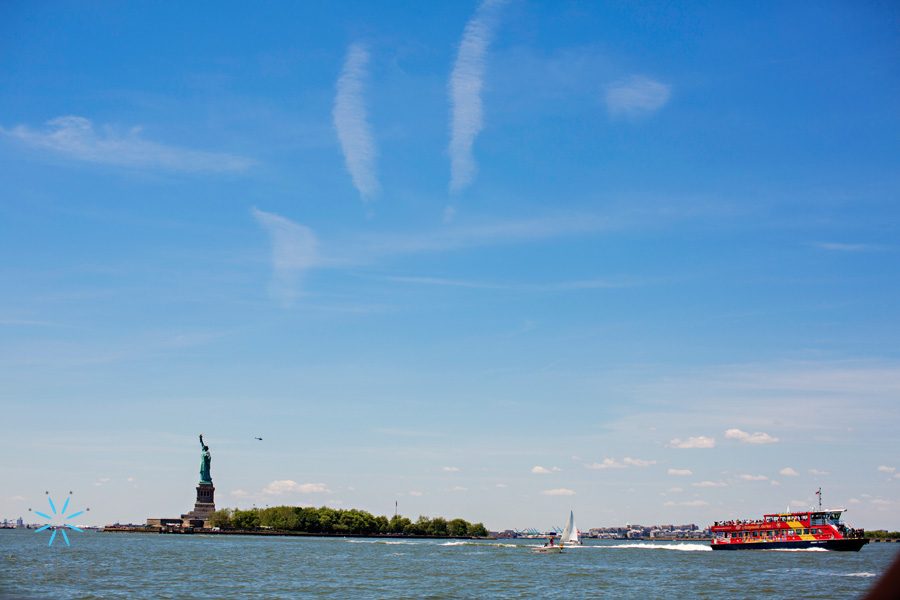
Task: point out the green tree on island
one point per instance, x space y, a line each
338 521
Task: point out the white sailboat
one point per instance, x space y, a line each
570 533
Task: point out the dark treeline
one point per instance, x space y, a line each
337 521
883 535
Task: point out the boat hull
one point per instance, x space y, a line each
841 545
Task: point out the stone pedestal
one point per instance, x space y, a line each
205 505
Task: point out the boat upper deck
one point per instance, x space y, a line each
784 520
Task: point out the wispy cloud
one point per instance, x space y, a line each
611 463
849 247
564 286
693 442
607 463
76 138
753 477
350 122
451 468
789 472
680 472
710 484
636 96
558 492
294 250
886 469
687 503
278 488
466 81
747 438
491 234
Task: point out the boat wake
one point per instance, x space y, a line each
676 547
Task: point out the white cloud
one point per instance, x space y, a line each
294 250
789 472
818 472
635 96
544 471
773 482
558 492
710 484
451 468
466 81
76 138
854 501
502 485
459 488
693 442
350 122
886 469
17 498
881 502
746 438
415 493
753 477
608 463
680 472
277 488
611 463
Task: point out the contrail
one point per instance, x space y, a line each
350 122
293 252
466 82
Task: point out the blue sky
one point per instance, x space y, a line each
496 260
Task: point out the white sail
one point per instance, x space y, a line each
570 533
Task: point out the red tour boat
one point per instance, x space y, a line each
792 530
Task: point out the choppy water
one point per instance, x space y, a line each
145 566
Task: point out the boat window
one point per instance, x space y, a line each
806 532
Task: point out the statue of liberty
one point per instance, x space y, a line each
204 463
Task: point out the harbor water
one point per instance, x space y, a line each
150 566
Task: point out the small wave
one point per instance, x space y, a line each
863 574
386 542
677 547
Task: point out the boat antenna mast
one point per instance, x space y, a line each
819 494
